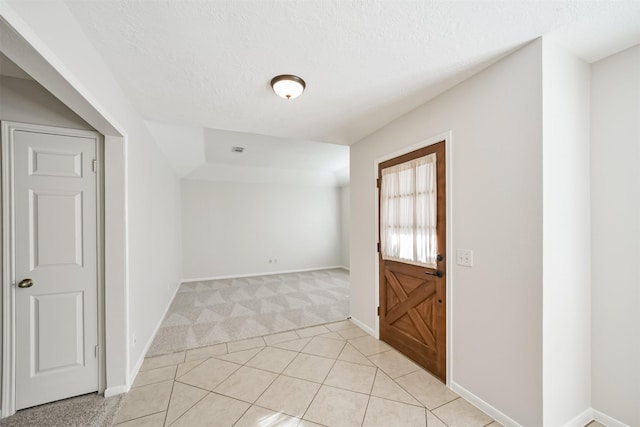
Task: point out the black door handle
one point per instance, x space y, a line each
438 273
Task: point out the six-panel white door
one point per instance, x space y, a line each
55 217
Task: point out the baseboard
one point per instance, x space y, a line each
114 391
364 327
590 415
494 413
605 419
4 414
344 267
582 419
268 273
134 372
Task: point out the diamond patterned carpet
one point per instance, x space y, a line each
215 311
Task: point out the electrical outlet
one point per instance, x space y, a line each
464 257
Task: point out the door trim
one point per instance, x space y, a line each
8 380
448 138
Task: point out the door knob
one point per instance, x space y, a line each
25 283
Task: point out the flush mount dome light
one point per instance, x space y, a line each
288 86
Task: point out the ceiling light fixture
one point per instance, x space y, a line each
288 86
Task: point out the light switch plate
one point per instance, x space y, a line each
464 257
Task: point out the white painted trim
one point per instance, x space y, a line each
8 380
607 420
269 273
116 261
581 419
418 145
14 20
494 413
8 249
127 305
344 267
364 327
448 138
140 361
100 264
114 391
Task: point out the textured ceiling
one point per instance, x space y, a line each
209 63
198 71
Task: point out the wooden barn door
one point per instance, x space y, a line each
412 218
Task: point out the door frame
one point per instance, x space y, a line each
447 137
7 251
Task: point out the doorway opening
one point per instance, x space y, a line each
52 258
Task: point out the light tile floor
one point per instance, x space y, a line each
328 375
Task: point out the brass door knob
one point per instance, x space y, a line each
25 283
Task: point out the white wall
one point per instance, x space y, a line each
27 101
566 241
495 118
155 241
150 215
344 225
184 145
615 227
235 228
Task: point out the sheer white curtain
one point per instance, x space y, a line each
408 212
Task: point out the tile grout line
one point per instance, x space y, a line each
366 408
185 373
407 391
272 410
267 387
137 418
190 407
173 384
321 384
446 403
141 416
439 419
243 414
194 386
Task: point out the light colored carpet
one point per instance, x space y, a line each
91 410
216 311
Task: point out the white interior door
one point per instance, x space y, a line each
55 265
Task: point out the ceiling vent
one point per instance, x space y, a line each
237 149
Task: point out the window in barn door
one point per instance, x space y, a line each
408 198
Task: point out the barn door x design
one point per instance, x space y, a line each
408 305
